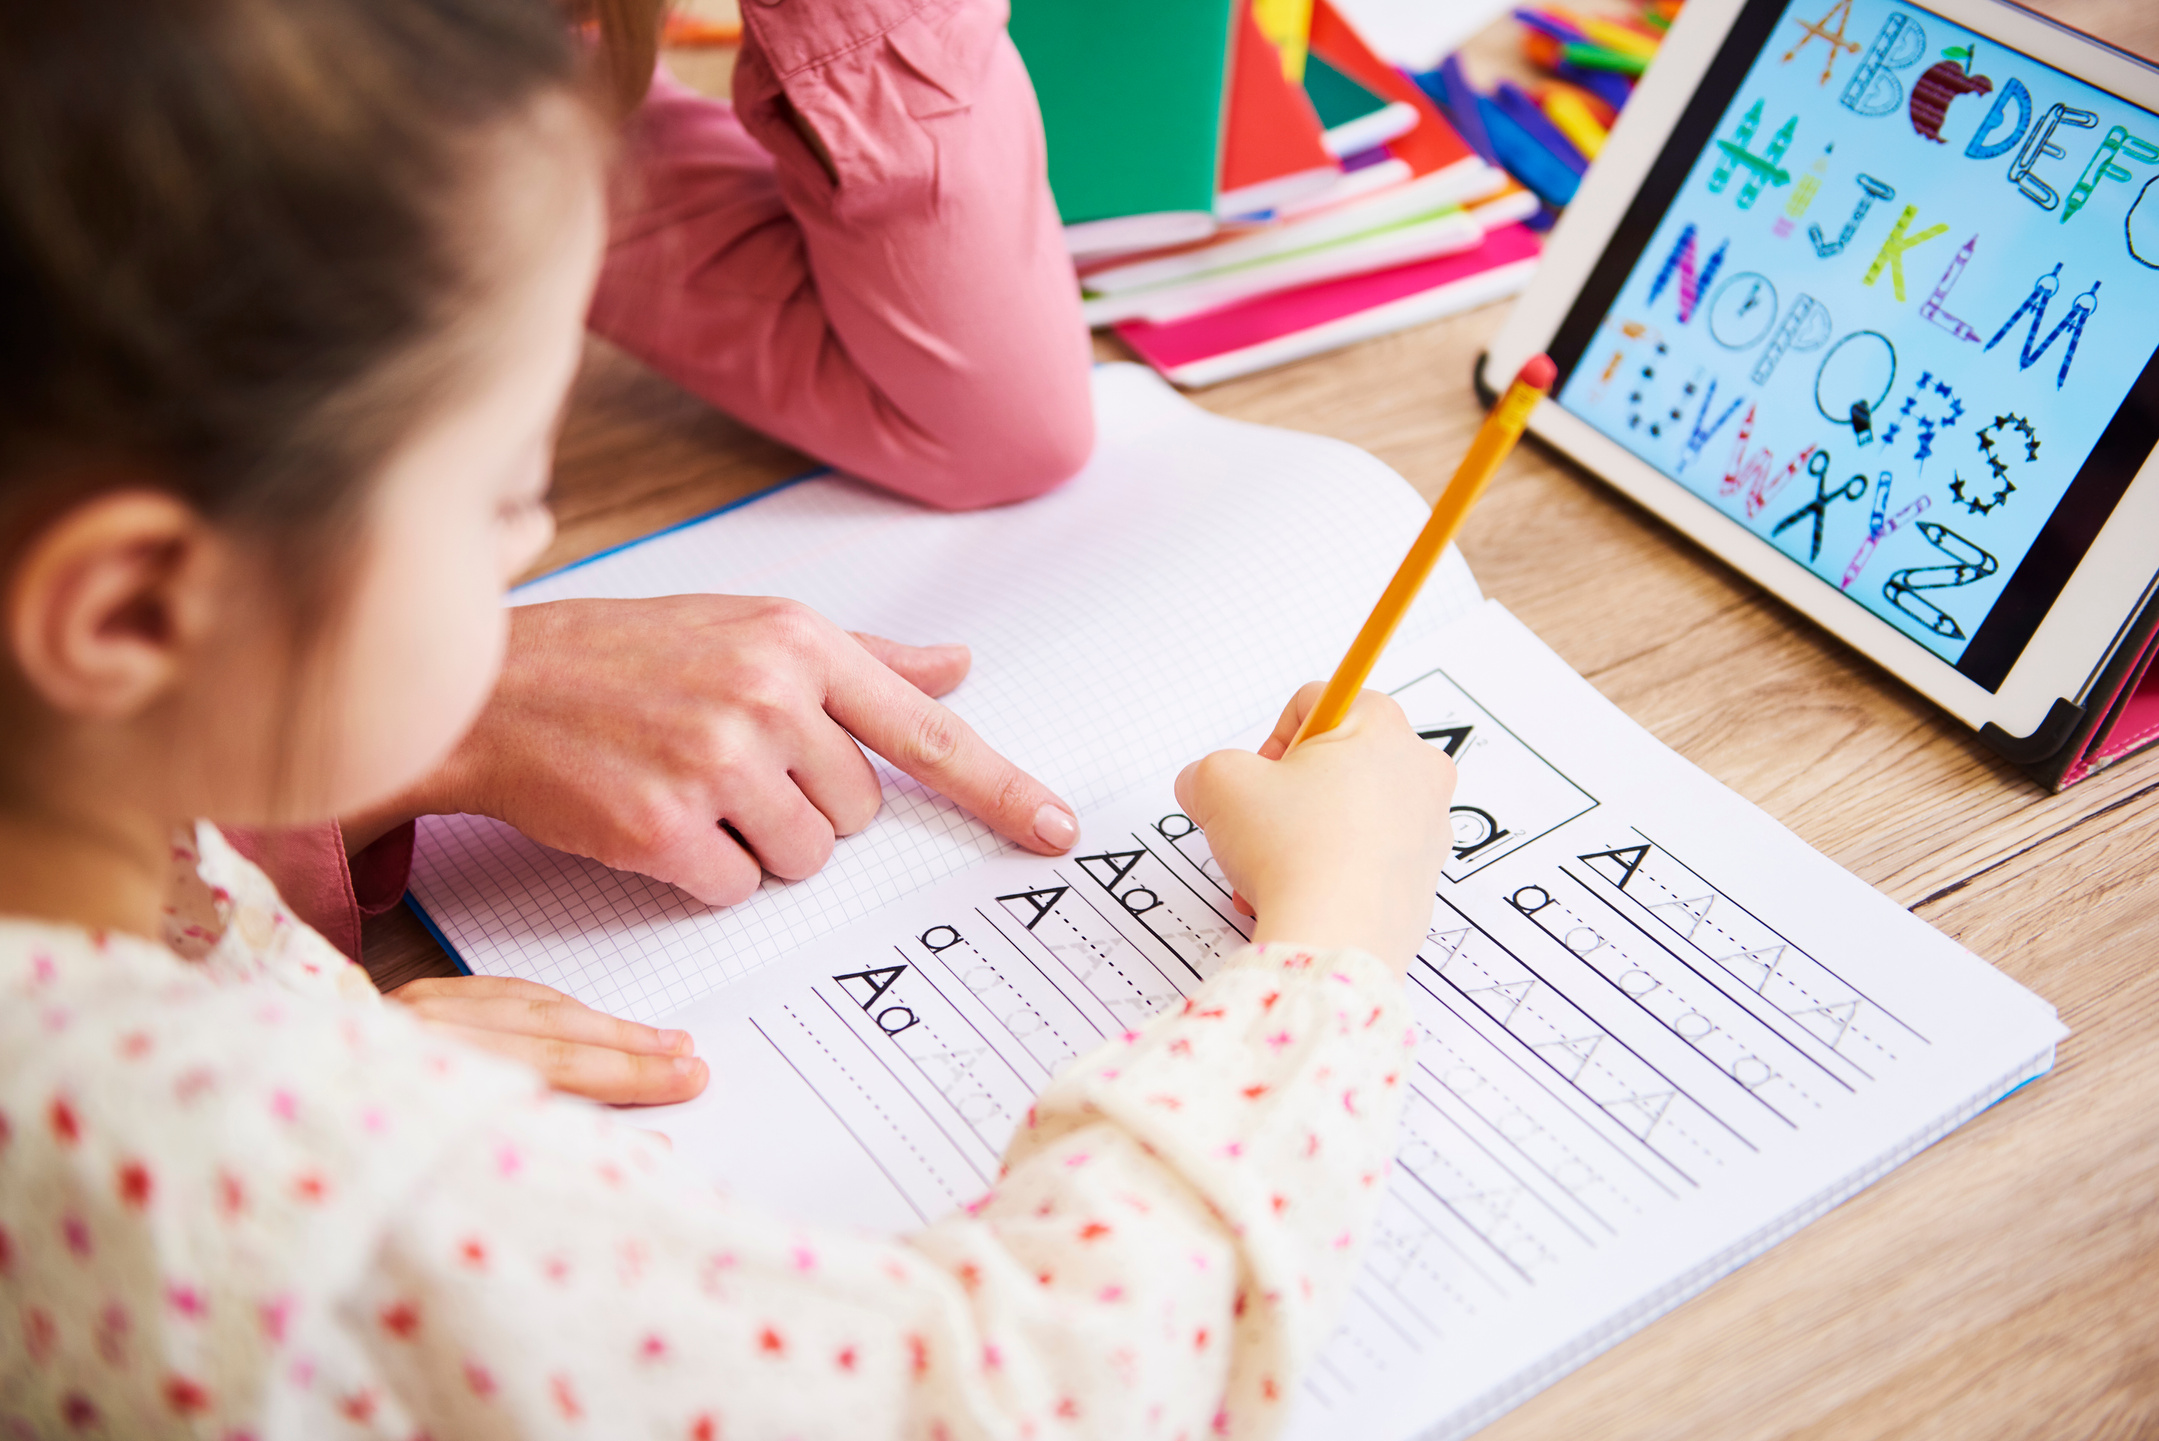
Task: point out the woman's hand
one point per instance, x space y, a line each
1339 843
704 739
572 1046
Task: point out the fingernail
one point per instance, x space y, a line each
684 1065
678 1042
1055 827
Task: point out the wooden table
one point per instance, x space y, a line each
2004 1283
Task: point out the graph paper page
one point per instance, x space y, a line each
1175 591
1659 1034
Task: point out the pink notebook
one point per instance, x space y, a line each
2123 717
2117 717
1292 324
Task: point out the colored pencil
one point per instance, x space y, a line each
1522 108
690 32
1568 109
1613 36
1597 57
1550 25
1529 162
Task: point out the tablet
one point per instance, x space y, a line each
1864 297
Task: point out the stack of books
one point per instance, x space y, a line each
1245 182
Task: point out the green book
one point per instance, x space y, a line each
1336 97
1132 105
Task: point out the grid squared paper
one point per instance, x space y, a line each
1169 596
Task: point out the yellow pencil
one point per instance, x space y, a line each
1501 429
1565 108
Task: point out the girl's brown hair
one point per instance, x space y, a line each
235 236
223 221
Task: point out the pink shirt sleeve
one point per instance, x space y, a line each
332 893
915 323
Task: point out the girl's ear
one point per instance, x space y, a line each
109 601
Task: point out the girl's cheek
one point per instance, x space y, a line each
526 535
426 645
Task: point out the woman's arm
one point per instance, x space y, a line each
330 888
909 315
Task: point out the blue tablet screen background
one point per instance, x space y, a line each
1892 308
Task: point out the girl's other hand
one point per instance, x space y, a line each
573 1047
1339 843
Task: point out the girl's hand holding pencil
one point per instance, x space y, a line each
1338 844
1334 834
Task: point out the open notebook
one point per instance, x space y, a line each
1186 582
1660 1033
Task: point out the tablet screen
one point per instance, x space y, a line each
1890 301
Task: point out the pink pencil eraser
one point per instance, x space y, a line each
1537 371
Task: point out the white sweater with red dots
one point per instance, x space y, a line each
241 1198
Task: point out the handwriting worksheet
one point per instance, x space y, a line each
1659 1033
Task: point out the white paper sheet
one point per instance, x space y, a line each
1418 34
1187 581
1660 1034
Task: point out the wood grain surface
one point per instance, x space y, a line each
2004 1283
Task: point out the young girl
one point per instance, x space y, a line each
294 297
